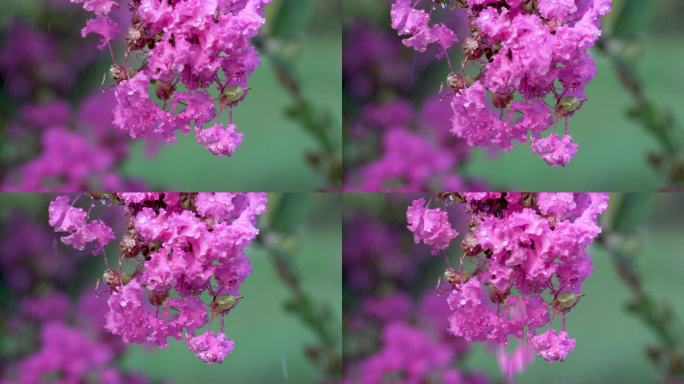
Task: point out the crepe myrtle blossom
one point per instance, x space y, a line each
187 48
430 226
525 52
70 342
524 247
412 356
182 245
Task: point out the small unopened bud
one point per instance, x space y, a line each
529 199
164 89
472 49
530 6
135 39
115 278
458 82
451 197
231 96
118 73
456 276
129 246
564 301
470 245
473 223
224 303
154 246
187 201
498 297
157 298
501 101
568 105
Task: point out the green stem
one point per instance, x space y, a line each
315 120
658 317
316 316
658 122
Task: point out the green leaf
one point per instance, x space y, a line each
633 18
292 18
632 210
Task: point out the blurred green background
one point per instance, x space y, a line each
273 154
269 342
613 150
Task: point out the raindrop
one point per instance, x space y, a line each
106 200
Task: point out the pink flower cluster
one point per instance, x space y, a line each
410 354
416 353
411 161
526 52
78 149
194 43
65 218
182 245
74 351
430 226
522 246
415 23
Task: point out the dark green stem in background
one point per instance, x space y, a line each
314 315
658 122
619 241
315 120
279 241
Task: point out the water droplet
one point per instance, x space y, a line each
106 200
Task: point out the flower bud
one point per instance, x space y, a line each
164 89
451 197
456 276
221 305
568 105
530 6
231 96
564 301
458 82
129 245
501 101
187 200
157 298
470 245
498 297
115 278
118 73
135 39
472 49
529 199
